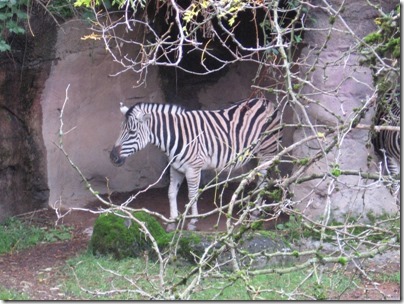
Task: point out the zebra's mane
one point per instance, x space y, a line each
149 107
177 109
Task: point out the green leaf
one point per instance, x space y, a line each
336 171
232 20
4 46
5 16
86 3
21 15
14 27
280 227
298 38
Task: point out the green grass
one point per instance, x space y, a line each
10 295
394 277
88 277
85 273
15 235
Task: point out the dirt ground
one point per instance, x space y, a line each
37 270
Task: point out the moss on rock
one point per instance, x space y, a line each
192 244
120 237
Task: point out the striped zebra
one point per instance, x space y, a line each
387 142
195 140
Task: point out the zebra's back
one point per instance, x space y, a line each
216 139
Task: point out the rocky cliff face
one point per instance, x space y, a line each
342 85
34 172
93 117
23 183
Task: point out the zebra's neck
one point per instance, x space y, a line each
163 124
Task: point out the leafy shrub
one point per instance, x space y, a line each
12 13
118 236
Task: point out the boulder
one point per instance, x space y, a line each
121 237
253 250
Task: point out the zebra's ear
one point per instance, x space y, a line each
123 108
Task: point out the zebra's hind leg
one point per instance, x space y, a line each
193 179
261 183
393 170
176 179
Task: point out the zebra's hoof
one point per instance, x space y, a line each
171 227
192 225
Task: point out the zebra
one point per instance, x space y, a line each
195 140
387 142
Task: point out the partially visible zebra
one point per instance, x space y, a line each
197 140
387 142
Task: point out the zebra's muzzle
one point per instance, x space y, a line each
115 156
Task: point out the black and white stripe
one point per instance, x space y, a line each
387 142
197 140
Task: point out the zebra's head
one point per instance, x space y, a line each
135 134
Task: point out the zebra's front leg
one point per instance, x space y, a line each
193 180
176 179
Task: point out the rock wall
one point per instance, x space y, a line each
338 70
41 173
23 71
83 72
